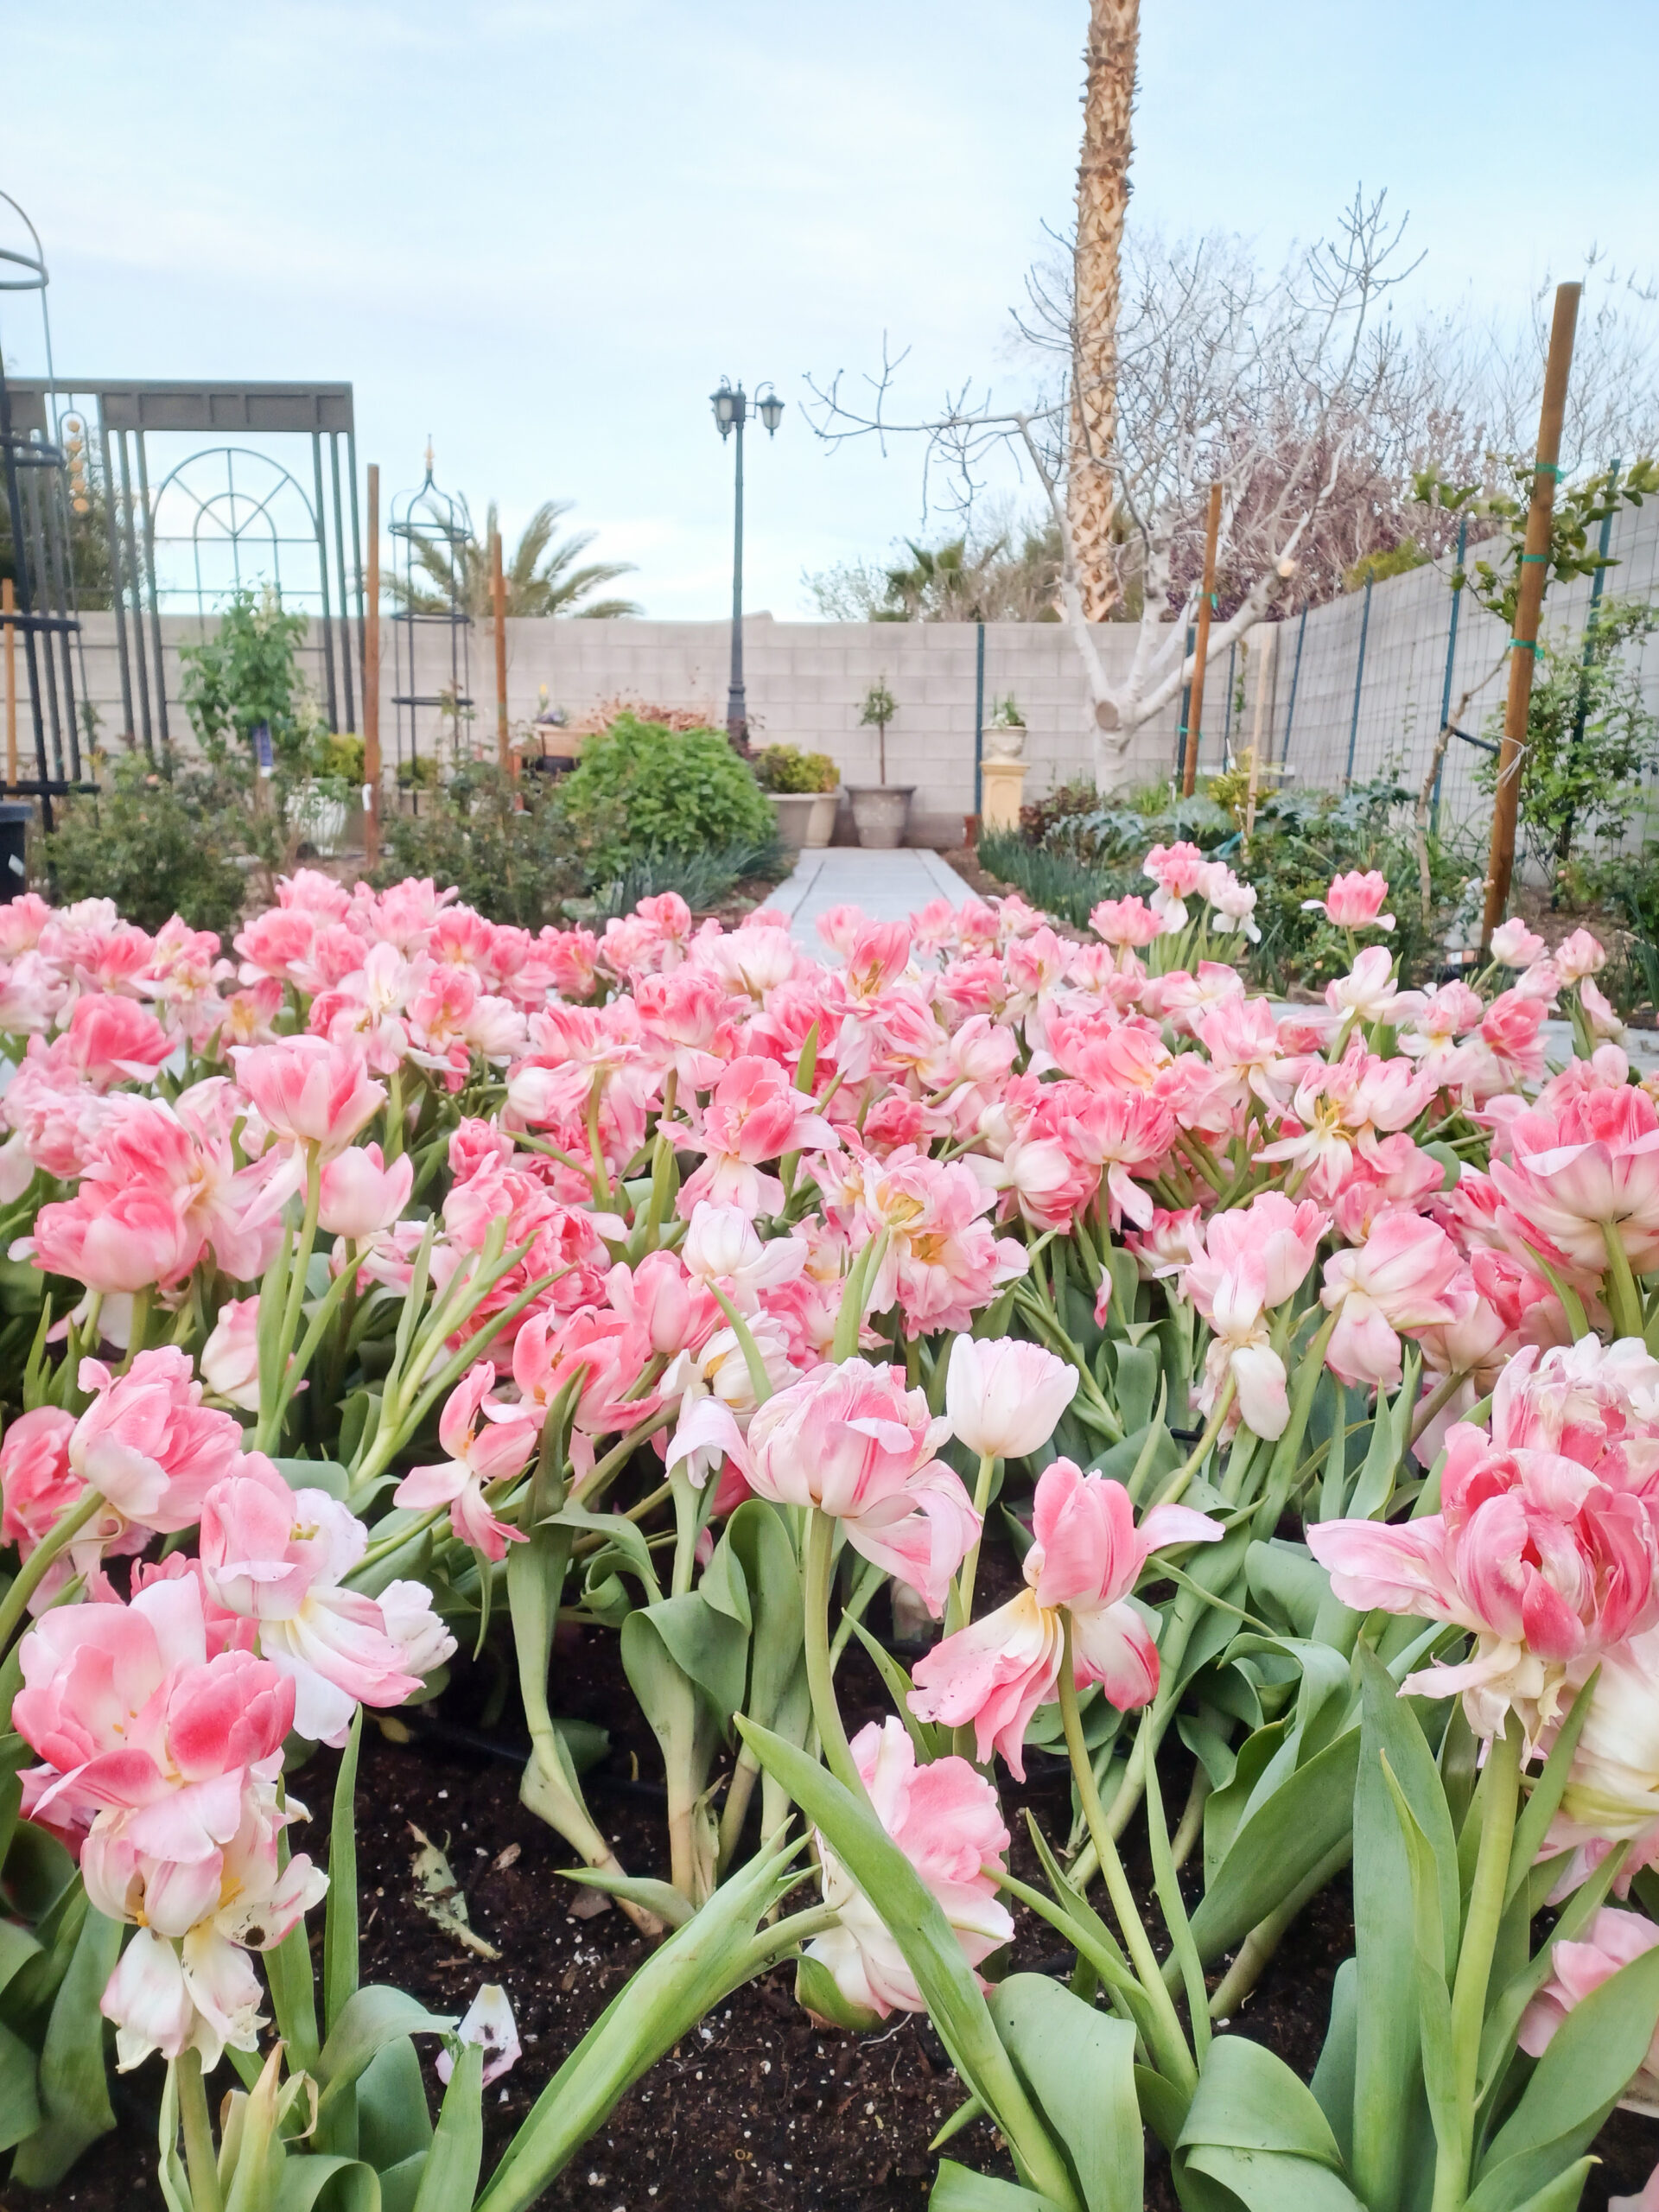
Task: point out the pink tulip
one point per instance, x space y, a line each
37 1485
675 1311
1593 1402
722 1248
230 1358
184 1981
308 1091
1003 1398
149 1443
1612 1939
1177 870
1086 1557
274 941
854 1442
1407 1275
278 1556
1542 1563
361 1195
1283 1236
1367 991
1235 1305
133 1242
115 1040
1169 1243
1578 955
486 1443
1591 1164
753 1116
123 1703
1514 945
37 1488
607 1353
1354 901
945 1818
1126 922
1233 903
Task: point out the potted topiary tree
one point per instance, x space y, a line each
880 810
802 789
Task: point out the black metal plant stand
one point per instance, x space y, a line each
428 522
33 463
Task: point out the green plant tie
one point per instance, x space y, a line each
1548 468
1534 557
1527 645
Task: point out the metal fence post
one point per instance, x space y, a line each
1446 687
1359 676
1295 677
979 718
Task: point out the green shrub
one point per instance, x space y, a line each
786 768
513 863
156 848
640 790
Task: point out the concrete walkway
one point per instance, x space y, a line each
888 886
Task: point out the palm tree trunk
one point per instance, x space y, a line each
1103 199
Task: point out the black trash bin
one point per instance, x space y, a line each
13 832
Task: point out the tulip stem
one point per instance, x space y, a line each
1624 1301
33 1572
138 1326
1168 2045
270 1432
818 1571
200 2162
1500 1786
1183 1475
960 1608
1437 1401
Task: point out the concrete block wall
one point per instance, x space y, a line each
806 680
805 684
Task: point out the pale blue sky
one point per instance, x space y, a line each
543 229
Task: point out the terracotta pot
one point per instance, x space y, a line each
881 811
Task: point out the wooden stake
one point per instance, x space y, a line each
8 608
498 594
371 677
1195 709
1530 600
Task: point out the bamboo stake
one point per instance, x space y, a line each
498 594
1530 600
1195 711
8 608
371 679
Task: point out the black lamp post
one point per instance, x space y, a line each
731 407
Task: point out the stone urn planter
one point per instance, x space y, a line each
804 818
880 813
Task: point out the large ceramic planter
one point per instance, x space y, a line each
880 813
804 818
794 813
320 820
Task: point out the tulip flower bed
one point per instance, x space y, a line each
1029 1529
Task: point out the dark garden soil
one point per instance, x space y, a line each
757 2106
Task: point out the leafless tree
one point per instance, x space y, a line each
1269 385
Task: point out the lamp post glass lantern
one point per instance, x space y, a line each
731 404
